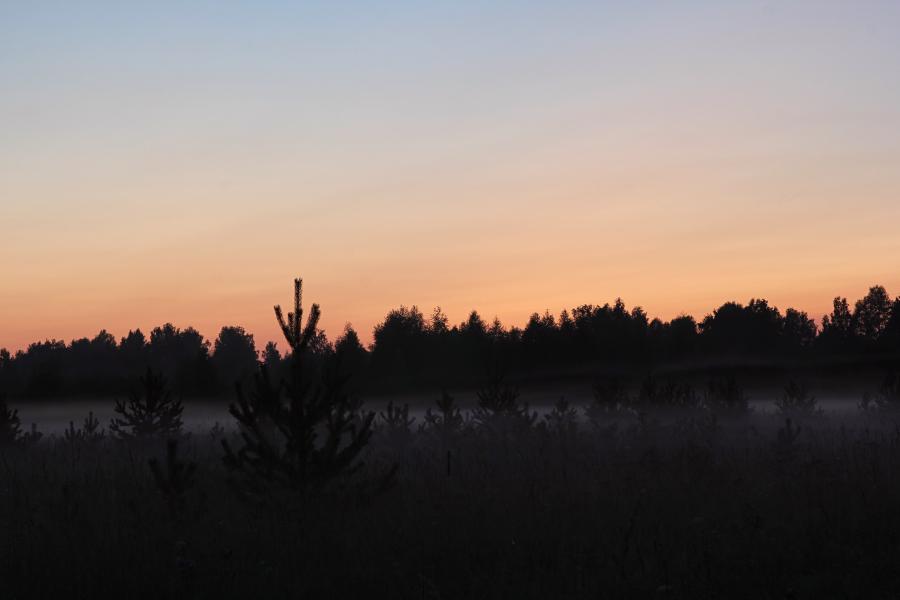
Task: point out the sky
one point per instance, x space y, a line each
183 161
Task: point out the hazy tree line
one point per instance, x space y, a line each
413 349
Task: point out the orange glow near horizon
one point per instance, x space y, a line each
184 167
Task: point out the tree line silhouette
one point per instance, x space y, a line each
411 349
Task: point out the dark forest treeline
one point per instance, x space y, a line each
411 349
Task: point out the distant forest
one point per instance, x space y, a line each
415 351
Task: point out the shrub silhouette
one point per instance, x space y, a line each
797 401
10 426
308 441
151 411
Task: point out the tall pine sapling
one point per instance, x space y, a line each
312 437
151 411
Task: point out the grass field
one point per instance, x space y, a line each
669 504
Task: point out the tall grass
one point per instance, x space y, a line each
676 506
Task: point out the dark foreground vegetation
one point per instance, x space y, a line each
657 489
412 351
676 503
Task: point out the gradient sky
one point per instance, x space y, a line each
183 161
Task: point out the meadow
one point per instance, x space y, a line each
667 491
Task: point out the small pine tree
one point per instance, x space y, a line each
562 421
797 401
396 425
499 410
151 411
311 439
447 423
90 431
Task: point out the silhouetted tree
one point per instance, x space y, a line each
890 337
678 338
8 374
234 356
871 314
439 322
43 362
183 355
799 330
353 357
476 345
271 356
400 343
837 327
